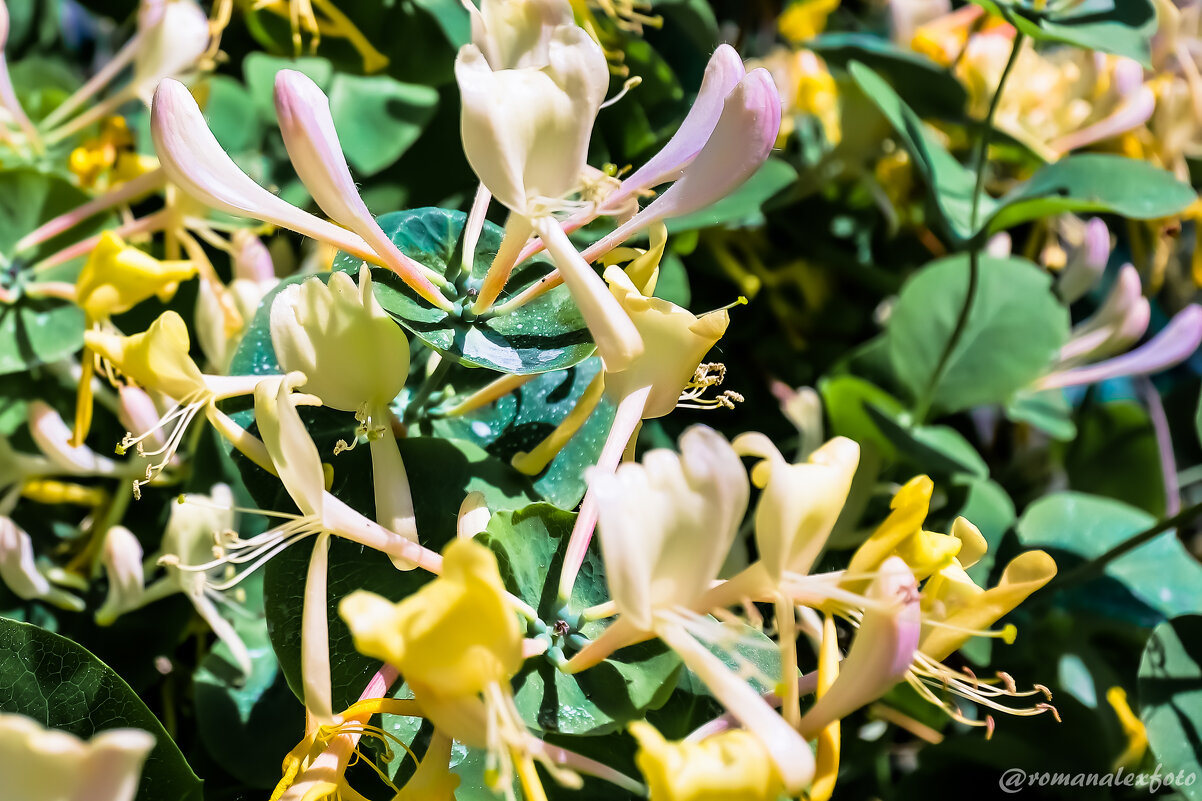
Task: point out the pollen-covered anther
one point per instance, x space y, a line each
707 375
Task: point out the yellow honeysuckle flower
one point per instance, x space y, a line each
117 277
806 19
1133 728
454 637
908 510
155 359
433 780
730 766
303 14
675 341
40 764
93 158
959 608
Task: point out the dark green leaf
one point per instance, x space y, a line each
932 449
1048 411
1112 434
543 335
62 686
928 88
1170 694
259 69
951 185
522 419
1122 27
1093 183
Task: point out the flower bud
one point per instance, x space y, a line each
732 765
175 35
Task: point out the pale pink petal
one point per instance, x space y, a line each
1087 263
1115 325
740 144
312 141
881 653
195 162
1131 113
1176 343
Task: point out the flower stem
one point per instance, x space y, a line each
981 161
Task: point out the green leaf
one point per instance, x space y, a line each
847 398
931 90
441 473
378 118
259 69
933 449
1048 411
1093 183
1161 574
529 544
62 686
29 198
230 113
522 419
34 332
1170 697
951 185
543 335
451 17
1014 327
741 207
1122 27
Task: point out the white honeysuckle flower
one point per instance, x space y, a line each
20 573
722 74
674 342
354 355
515 33
122 558
800 502
667 524
532 159
8 95
174 35
40 764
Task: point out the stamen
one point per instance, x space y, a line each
707 375
926 673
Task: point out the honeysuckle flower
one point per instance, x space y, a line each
433 780
174 34
1175 343
803 20
1116 325
315 152
194 161
52 436
117 277
515 33
20 572
457 642
732 765
954 606
1080 251
356 359
354 355
907 16
122 558
538 157
881 653
217 331
40 764
674 339
666 526
800 502
1058 100
8 95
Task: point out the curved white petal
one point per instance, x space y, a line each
195 162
